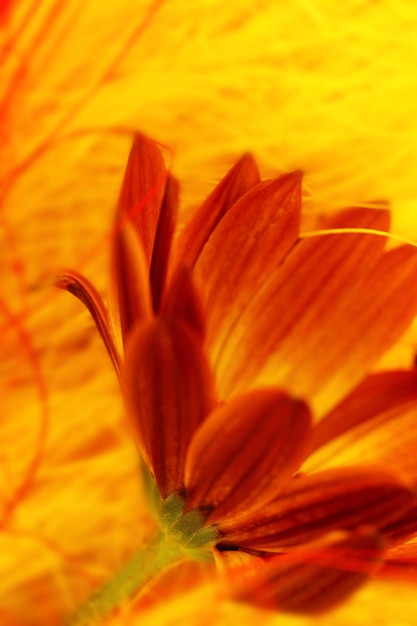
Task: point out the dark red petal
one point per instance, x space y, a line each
182 302
377 394
340 499
163 239
143 191
169 391
243 176
130 298
245 452
249 242
82 289
316 579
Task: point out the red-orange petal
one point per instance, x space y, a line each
313 579
377 394
130 297
142 191
249 242
81 288
312 506
182 301
243 176
245 452
324 318
169 391
389 438
163 239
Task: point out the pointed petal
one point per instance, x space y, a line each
182 302
163 239
82 289
376 394
323 319
143 191
245 452
243 176
249 242
313 580
169 391
130 298
312 506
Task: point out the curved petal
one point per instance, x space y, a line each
169 391
143 191
81 288
389 438
243 176
375 395
323 319
246 246
404 528
313 579
340 499
245 452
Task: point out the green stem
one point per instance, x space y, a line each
146 563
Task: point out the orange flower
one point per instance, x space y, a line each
280 438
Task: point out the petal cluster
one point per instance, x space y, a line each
247 352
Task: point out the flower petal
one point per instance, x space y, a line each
404 528
245 452
163 238
82 289
249 242
243 176
315 579
130 298
311 506
389 438
375 395
182 301
323 319
143 190
169 391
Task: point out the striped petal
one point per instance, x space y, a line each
312 580
243 176
169 391
389 438
245 452
246 246
143 191
377 394
324 317
315 505
163 239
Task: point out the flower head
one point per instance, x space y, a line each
245 368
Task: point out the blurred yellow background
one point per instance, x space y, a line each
320 85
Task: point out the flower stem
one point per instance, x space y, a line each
150 560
